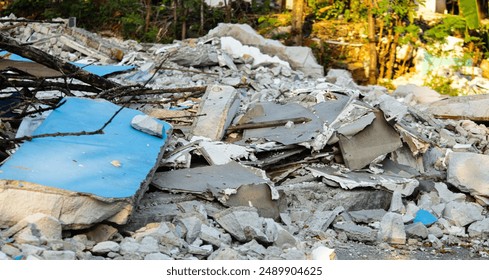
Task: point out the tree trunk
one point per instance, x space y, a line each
147 21
184 23
202 20
175 18
372 73
297 21
392 57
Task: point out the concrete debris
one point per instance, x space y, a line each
461 108
357 232
148 125
367 216
232 184
392 229
462 213
248 150
466 172
417 230
479 229
352 180
299 58
220 105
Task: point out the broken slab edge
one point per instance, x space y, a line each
73 209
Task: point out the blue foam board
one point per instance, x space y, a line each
83 163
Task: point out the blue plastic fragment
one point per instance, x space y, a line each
18 258
108 165
425 217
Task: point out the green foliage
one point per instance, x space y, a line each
450 26
470 11
441 84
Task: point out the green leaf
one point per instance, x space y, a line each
470 10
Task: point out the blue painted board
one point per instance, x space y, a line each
83 163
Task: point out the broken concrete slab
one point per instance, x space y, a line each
232 184
479 229
356 232
201 56
81 196
219 106
300 58
47 228
243 223
472 107
101 233
414 94
351 180
462 213
367 216
392 229
321 220
358 199
304 131
467 172
375 140
417 230
105 247
446 195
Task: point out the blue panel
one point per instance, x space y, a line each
425 217
83 163
103 70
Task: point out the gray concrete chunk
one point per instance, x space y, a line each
356 232
147 125
219 106
367 216
417 230
446 195
462 213
392 229
479 229
59 255
467 172
243 223
106 247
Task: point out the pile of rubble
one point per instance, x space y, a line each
229 146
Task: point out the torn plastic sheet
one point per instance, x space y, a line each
358 179
74 178
232 184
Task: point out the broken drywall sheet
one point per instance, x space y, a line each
417 143
232 184
373 141
286 134
472 107
354 179
218 153
82 179
219 106
468 173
